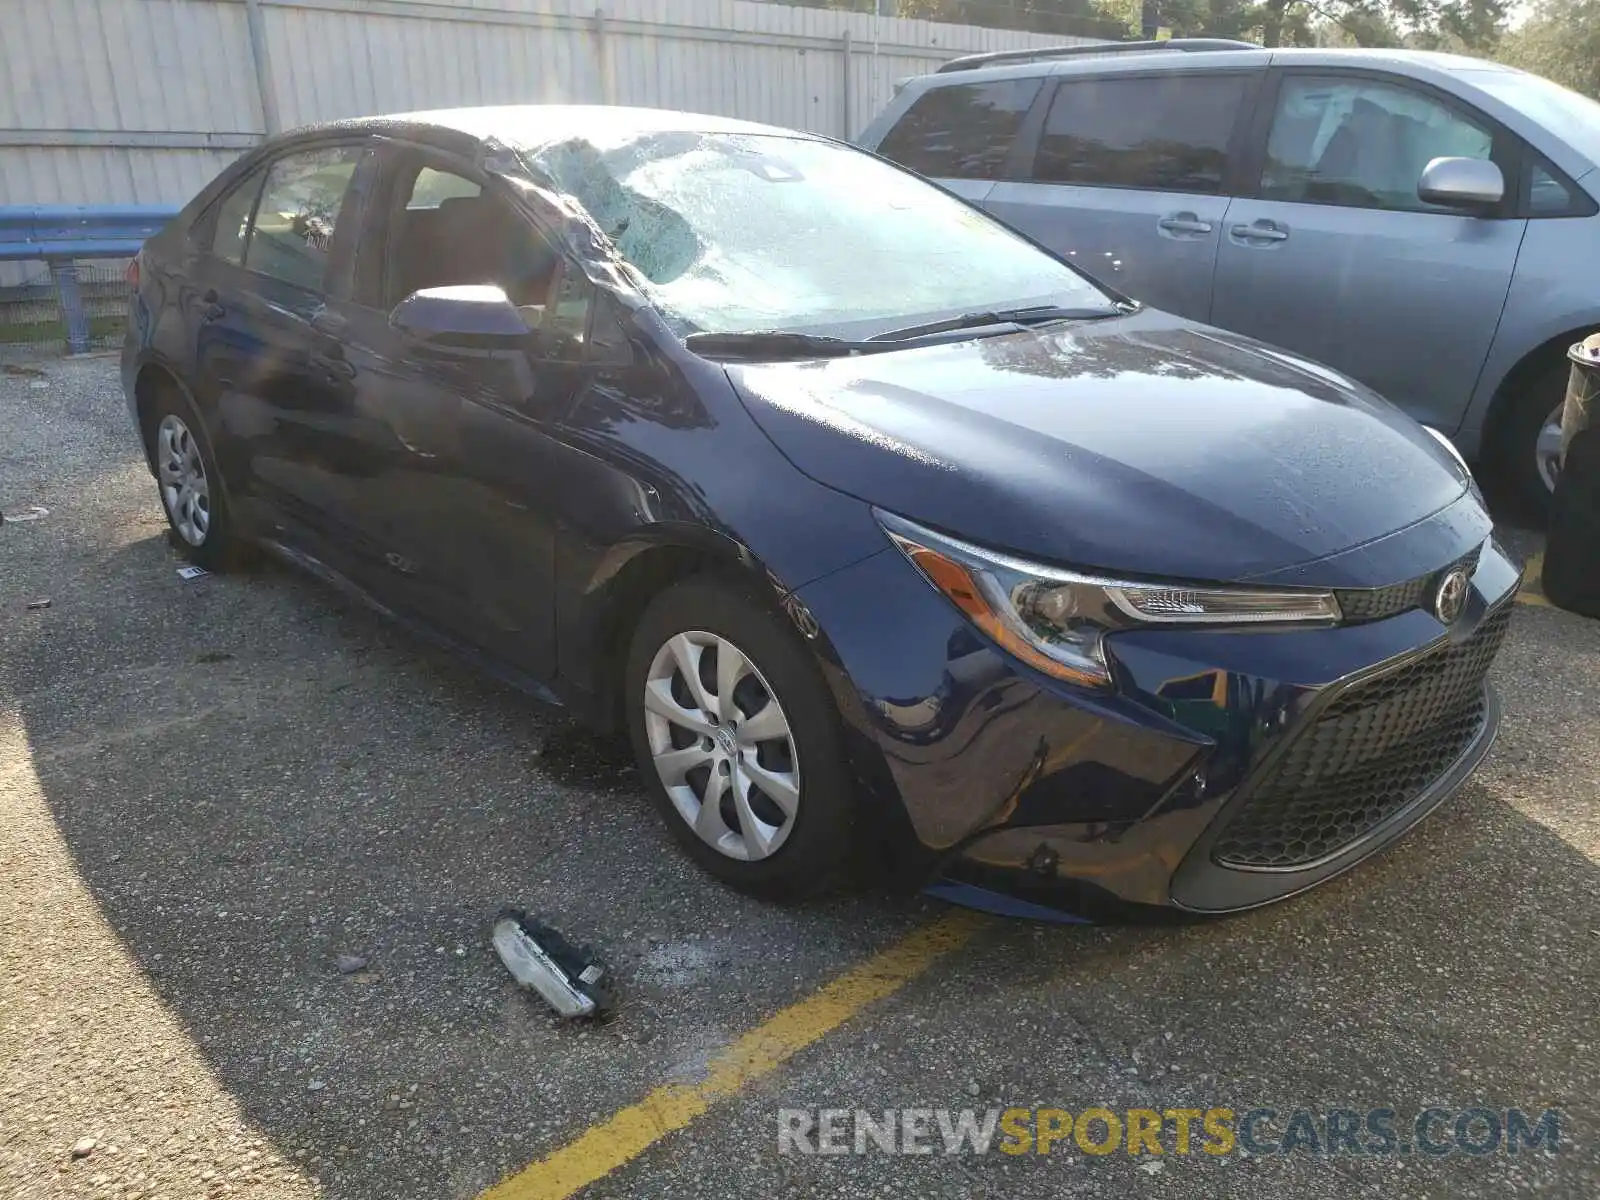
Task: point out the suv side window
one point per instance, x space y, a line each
1361 143
1552 194
1165 133
231 232
294 223
962 131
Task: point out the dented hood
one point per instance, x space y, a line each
1141 444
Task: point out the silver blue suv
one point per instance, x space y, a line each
1423 222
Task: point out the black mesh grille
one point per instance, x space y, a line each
1374 604
1365 756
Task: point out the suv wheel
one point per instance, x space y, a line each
1530 454
738 741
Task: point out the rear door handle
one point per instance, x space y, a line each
1184 223
1261 231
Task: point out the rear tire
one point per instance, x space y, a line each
1523 452
189 484
745 760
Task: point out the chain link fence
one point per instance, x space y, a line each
32 320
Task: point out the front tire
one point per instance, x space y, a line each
189 484
738 741
1531 445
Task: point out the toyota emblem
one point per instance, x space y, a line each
1451 596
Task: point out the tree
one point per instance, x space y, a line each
1424 24
1560 41
1472 24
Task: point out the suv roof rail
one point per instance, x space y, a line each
971 62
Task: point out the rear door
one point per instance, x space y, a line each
1329 252
273 375
1130 176
961 135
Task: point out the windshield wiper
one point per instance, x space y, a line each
1032 314
774 343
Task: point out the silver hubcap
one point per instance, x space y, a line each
184 489
1547 450
722 745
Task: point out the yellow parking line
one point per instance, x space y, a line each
1532 585
627 1134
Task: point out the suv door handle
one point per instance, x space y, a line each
1184 223
326 320
1261 231
336 366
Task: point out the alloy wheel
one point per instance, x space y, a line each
722 745
182 472
1547 449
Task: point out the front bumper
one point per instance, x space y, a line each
1225 770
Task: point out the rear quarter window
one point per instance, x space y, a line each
961 131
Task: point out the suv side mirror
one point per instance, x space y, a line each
465 315
1471 183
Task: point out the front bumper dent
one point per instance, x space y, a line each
1101 803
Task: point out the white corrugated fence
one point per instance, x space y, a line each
143 101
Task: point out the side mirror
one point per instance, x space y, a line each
467 315
1471 183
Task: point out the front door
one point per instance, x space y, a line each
1129 181
462 469
1336 258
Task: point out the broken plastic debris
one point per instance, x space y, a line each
32 513
39 605
349 964
192 572
569 978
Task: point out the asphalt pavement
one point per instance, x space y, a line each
211 790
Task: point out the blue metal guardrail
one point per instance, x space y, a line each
60 234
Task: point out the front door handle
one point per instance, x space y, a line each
1184 223
1260 231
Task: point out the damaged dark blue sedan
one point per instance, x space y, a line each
890 539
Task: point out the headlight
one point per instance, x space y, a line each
1056 620
1450 448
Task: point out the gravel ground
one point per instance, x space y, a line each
211 790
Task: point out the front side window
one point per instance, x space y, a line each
963 131
729 233
295 220
1361 143
1549 195
1164 133
231 232
450 231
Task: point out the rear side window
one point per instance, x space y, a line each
232 229
963 131
295 220
1165 133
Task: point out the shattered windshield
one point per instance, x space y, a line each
737 232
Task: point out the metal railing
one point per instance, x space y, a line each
81 307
